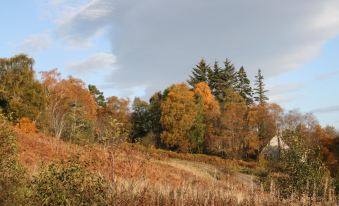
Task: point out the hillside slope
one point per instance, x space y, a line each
137 167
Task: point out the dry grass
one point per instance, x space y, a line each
147 176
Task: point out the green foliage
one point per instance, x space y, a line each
225 80
113 123
79 129
98 95
220 80
69 183
140 119
336 184
199 73
198 131
21 95
155 116
304 171
260 92
243 86
12 175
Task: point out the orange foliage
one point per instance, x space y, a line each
233 122
61 95
210 104
265 118
178 114
75 91
113 121
26 125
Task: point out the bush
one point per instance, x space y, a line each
302 172
12 175
26 125
69 183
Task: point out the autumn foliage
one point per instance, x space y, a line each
178 114
26 125
219 113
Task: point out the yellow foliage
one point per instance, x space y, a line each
210 104
178 114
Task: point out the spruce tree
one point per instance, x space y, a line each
97 95
229 75
200 73
243 86
225 80
214 79
260 92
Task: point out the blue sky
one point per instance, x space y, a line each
130 47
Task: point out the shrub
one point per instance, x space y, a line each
26 125
69 183
12 175
302 172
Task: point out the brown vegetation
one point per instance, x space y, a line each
150 176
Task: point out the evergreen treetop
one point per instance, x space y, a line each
200 73
243 86
260 92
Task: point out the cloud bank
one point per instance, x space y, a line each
36 43
156 42
329 109
94 63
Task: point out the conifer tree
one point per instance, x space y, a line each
214 79
224 80
97 95
260 92
200 73
229 75
243 86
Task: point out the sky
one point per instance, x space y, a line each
133 48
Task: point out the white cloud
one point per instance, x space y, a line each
283 98
285 88
327 75
157 42
96 62
79 25
329 109
36 43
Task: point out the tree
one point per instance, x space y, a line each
243 86
71 108
222 80
260 92
200 73
140 119
155 116
21 95
229 75
265 119
197 133
210 106
113 123
233 124
305 172
214 80
178 115
98 95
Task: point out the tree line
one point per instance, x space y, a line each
218 111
